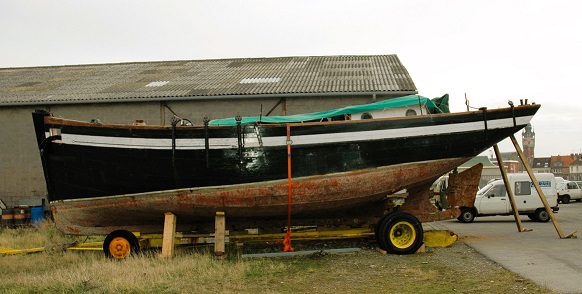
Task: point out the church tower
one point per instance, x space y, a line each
528 140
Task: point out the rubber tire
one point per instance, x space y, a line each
377 226
397 226
532 216
467 215
566 199
542 215
123 237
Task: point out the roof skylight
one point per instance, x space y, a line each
157 83
259 80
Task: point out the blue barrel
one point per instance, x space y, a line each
36 214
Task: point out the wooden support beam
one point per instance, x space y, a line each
509 190
219 234
539 190
169 237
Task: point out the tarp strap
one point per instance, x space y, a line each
175 122
513 115
258 132
206 141
484 109
239 135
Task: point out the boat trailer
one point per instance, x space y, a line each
119 247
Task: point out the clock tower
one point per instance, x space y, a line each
528 140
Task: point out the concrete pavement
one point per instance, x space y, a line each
539 255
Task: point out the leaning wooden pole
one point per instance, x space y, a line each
509 190
539 190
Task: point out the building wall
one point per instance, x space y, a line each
487 174
575 172
21 173
20 168
541 170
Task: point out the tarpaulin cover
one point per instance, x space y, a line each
409 100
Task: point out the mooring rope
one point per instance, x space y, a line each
287 242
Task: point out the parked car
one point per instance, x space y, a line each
493 199
569 190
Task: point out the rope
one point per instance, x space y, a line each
469 106
287 241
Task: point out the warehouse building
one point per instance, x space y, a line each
155 92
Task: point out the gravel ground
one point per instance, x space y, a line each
456 269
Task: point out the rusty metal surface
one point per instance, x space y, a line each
463 186
342 196
462 192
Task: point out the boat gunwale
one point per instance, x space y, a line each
59 121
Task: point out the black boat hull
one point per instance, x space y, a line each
93 160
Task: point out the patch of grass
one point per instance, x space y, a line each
195 269
42 234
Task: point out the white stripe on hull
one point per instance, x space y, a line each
228 143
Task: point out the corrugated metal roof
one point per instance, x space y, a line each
205 79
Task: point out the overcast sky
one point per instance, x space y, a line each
492 51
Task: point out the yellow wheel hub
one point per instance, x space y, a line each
119 247
402 235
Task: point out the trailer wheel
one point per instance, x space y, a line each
542 215
467 215
400 233
377 226
120 244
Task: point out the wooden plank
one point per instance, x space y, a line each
539 190
168 238
219 227
509 190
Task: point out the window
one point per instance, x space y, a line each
498 191
366 115
522 188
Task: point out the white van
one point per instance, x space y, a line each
493 199
569 190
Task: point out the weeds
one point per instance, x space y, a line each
196 270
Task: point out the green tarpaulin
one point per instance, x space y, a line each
409 100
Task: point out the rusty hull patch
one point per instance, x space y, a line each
463 186
462 191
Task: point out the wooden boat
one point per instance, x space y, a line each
337 165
